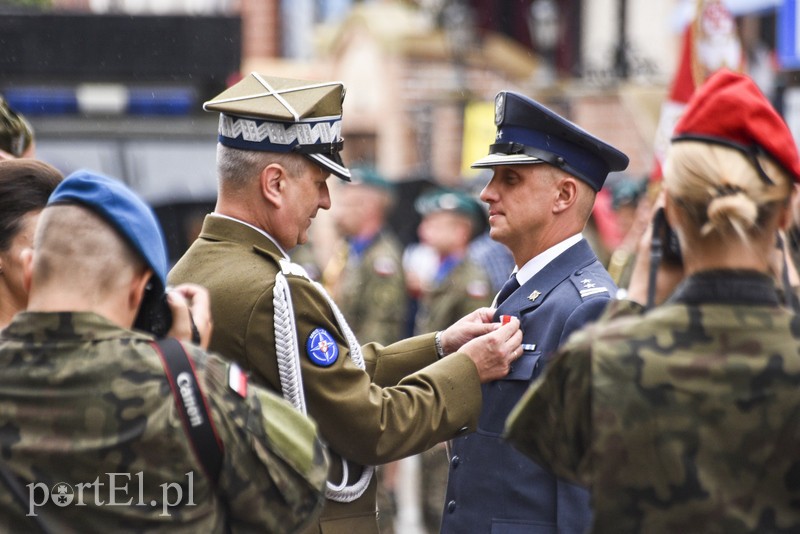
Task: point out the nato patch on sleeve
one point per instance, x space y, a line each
321 348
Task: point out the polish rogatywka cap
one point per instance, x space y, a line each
283 115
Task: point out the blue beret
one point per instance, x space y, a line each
122 209
528 132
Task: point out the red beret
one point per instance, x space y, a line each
730 109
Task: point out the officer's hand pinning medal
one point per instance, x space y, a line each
191 314
494 353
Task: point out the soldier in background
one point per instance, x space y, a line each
631 204
365 278
88 414
16 134
683 418
449 221
460 286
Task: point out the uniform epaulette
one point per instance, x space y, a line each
295 269
587 286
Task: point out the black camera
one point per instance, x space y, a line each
665 240
154 315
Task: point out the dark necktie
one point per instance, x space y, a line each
509 287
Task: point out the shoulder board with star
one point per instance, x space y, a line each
587 286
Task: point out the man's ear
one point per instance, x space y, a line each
566 194
27 268
138 284
272 182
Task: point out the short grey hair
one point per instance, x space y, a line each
236 168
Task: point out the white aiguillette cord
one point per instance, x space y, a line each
288 353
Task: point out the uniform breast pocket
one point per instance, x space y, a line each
524 366
500 396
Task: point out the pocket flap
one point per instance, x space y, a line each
522 368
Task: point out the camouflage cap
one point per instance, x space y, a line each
16 134
273 114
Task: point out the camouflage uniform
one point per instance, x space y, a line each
464 289
82 398
371 291
682 419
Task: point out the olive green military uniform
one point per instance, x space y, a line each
371 291
682 419
360 421
88 418
463 290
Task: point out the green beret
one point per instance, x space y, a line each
369 176
451 200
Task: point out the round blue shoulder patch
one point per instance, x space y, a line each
322 348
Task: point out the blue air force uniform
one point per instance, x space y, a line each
492 488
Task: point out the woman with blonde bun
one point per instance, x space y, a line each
686 417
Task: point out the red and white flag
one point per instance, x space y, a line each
710 42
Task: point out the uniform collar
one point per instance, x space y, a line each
727 286
540 261
80 326
570 262
224 228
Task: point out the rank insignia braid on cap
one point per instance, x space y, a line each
321 348
267 113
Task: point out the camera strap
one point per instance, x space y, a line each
656 252
789 295
192 406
